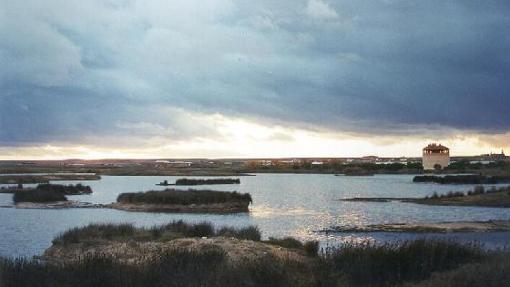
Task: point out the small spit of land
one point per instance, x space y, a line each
26 178
194 181
173 200
494 197
462 179
181 254
439 227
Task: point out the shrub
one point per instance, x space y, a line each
175 229
184 197
311 248
350 265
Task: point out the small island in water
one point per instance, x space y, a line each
174 200
209 181
51 196
479 196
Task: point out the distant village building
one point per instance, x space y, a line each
435 156
494 157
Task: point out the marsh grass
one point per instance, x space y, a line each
394 263
175 229
183 197
208 267
350 265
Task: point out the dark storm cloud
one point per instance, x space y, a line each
78 71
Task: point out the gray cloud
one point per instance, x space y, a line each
78 71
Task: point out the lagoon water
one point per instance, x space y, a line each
299 205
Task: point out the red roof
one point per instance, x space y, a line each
435 147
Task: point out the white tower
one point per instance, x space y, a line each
435 156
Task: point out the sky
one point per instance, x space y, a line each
225 78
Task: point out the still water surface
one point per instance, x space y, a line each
298 205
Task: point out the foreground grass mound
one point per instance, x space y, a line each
191 181
172 268
422 262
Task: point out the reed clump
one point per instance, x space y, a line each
183 197
173 230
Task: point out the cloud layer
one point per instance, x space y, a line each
114 72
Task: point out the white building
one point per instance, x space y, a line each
435 156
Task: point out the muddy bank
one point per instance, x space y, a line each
227 207
439 227
55 205
462 179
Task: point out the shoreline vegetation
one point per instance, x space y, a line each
195 181
173 200
182 254
192 181
27 178
245 167
479 196
462 179
438 227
